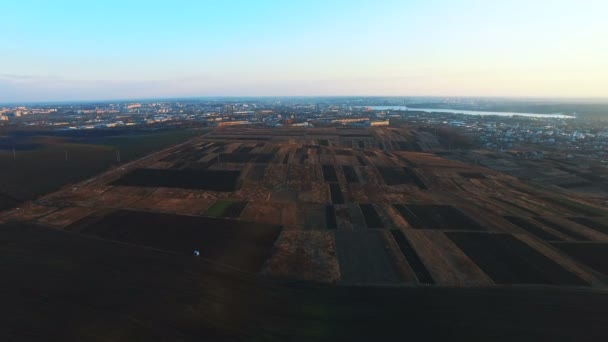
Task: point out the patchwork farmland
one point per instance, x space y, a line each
344 206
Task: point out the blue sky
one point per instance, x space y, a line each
77 50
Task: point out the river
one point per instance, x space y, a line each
473 112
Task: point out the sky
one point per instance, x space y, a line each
92 50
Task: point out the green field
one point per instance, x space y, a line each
218 208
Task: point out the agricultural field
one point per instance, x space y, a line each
214 180
240 244
45 161
342 206
75 287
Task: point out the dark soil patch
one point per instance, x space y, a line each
408 146
336 194
594 255
587 222
562 229
330 217
235 157
329 173
412 258
264 158
236 243
350 174
372 219
532 228
424 216
575 185
7 202
508 260
20 147
234 210
243 149
212 180
363 258
398 176
67 287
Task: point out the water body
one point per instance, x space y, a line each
473 112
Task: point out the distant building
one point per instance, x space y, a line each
232 123
379 123
302 124
349 120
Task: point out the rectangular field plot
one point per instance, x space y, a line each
590 223
304 255
194 166
401 175
594 255
363 258
312 216
412 258
212 180
446 263
225 208
423 216
263 158
514 205
336 194
372 219
508 260
564 230
235 243
532 228
350 174
330 217
329 173
236 157
303 158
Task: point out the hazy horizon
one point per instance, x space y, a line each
522 99
61 51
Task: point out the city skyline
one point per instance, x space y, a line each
112 50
